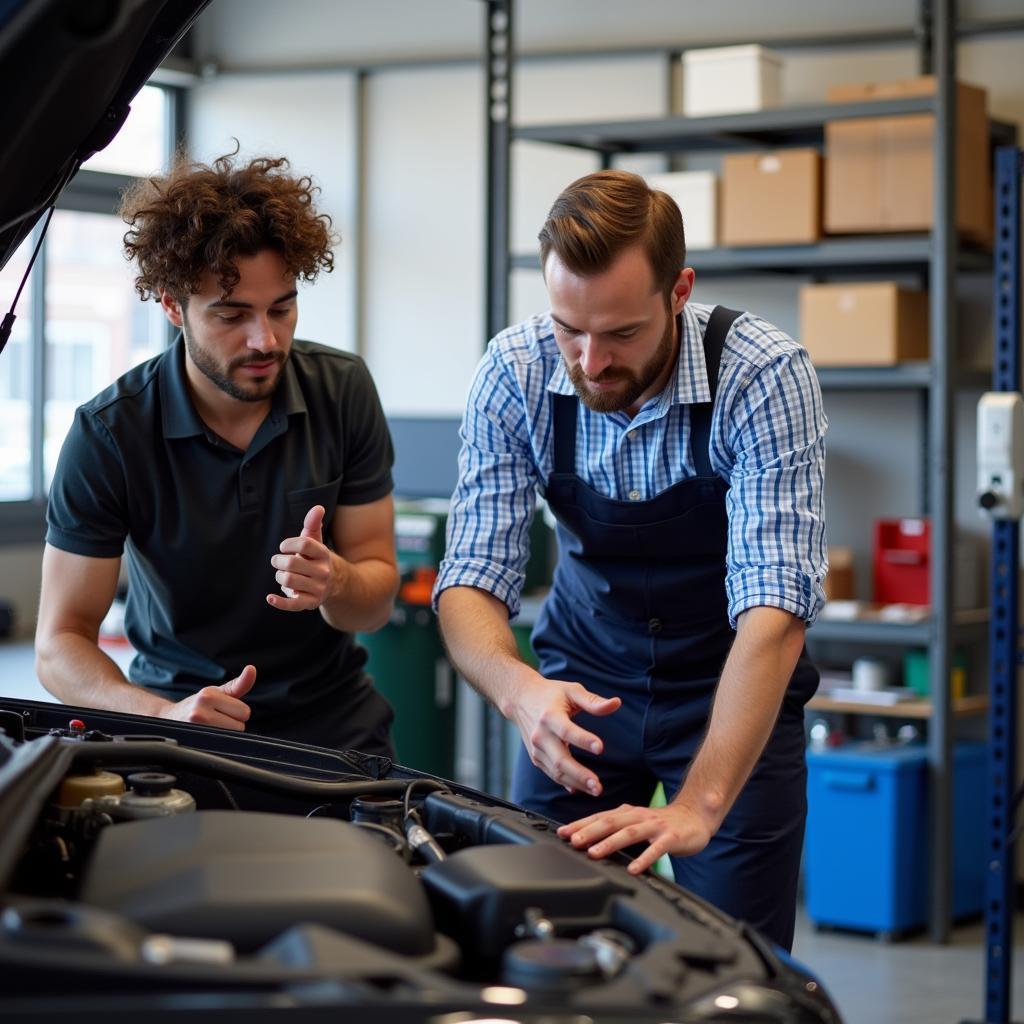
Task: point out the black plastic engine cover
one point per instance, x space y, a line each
247 877
481 894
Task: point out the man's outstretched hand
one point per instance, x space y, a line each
305 567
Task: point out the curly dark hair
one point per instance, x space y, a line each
201 218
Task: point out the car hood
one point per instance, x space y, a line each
70 69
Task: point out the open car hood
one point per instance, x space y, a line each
155 867
70 70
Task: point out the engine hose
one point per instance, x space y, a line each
202 763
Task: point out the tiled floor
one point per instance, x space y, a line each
872 982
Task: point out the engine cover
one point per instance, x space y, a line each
247 877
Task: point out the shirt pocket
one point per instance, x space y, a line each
300 502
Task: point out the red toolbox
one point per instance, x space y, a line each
901 561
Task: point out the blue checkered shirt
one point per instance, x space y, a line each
767 442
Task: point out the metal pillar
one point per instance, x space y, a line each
924 36
943 332
498 99
1004 641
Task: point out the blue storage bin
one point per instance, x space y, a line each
866 855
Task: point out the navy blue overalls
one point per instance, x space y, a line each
638 610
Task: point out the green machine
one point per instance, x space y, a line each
407 659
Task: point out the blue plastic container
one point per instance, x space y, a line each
866 855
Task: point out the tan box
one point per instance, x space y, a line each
839 579
771 198
875 324
879 170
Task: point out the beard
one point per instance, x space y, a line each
220 373
631 385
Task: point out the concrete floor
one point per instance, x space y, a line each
872 982
907 982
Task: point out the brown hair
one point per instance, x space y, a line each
202 218
600 215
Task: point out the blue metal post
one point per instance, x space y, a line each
1004 630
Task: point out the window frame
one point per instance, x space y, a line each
24 522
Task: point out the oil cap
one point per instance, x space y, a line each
552 965
151 783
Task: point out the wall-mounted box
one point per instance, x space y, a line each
696 195
873 324
731 80
771 198
879 172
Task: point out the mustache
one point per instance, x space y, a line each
276 357
604 377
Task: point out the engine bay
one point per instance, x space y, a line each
143 865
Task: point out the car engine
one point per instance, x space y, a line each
142 865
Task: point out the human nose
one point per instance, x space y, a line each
594 359
261 335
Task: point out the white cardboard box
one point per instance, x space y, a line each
696 195
731 80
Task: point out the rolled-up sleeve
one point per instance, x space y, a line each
776 437
494 503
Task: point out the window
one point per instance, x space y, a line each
16 386
80 322
93 332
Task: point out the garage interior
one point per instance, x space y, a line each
439 132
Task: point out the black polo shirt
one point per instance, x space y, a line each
199 520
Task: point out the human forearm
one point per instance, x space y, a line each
74 669
361 594
481 645
753 682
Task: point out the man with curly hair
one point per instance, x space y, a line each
246 474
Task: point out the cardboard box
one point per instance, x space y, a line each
696 195
874 324
731 80
839 583
879 171
771 198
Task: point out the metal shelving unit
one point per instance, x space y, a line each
938 256
780 127
963 707
870 255
968 626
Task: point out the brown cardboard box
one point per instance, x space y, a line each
771 198
878 171
839 579
875 324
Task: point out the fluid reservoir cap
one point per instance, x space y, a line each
76 788
151 783
553 964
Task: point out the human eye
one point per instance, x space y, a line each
229 318
281 311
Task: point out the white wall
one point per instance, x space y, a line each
255 32
311 119
424 269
